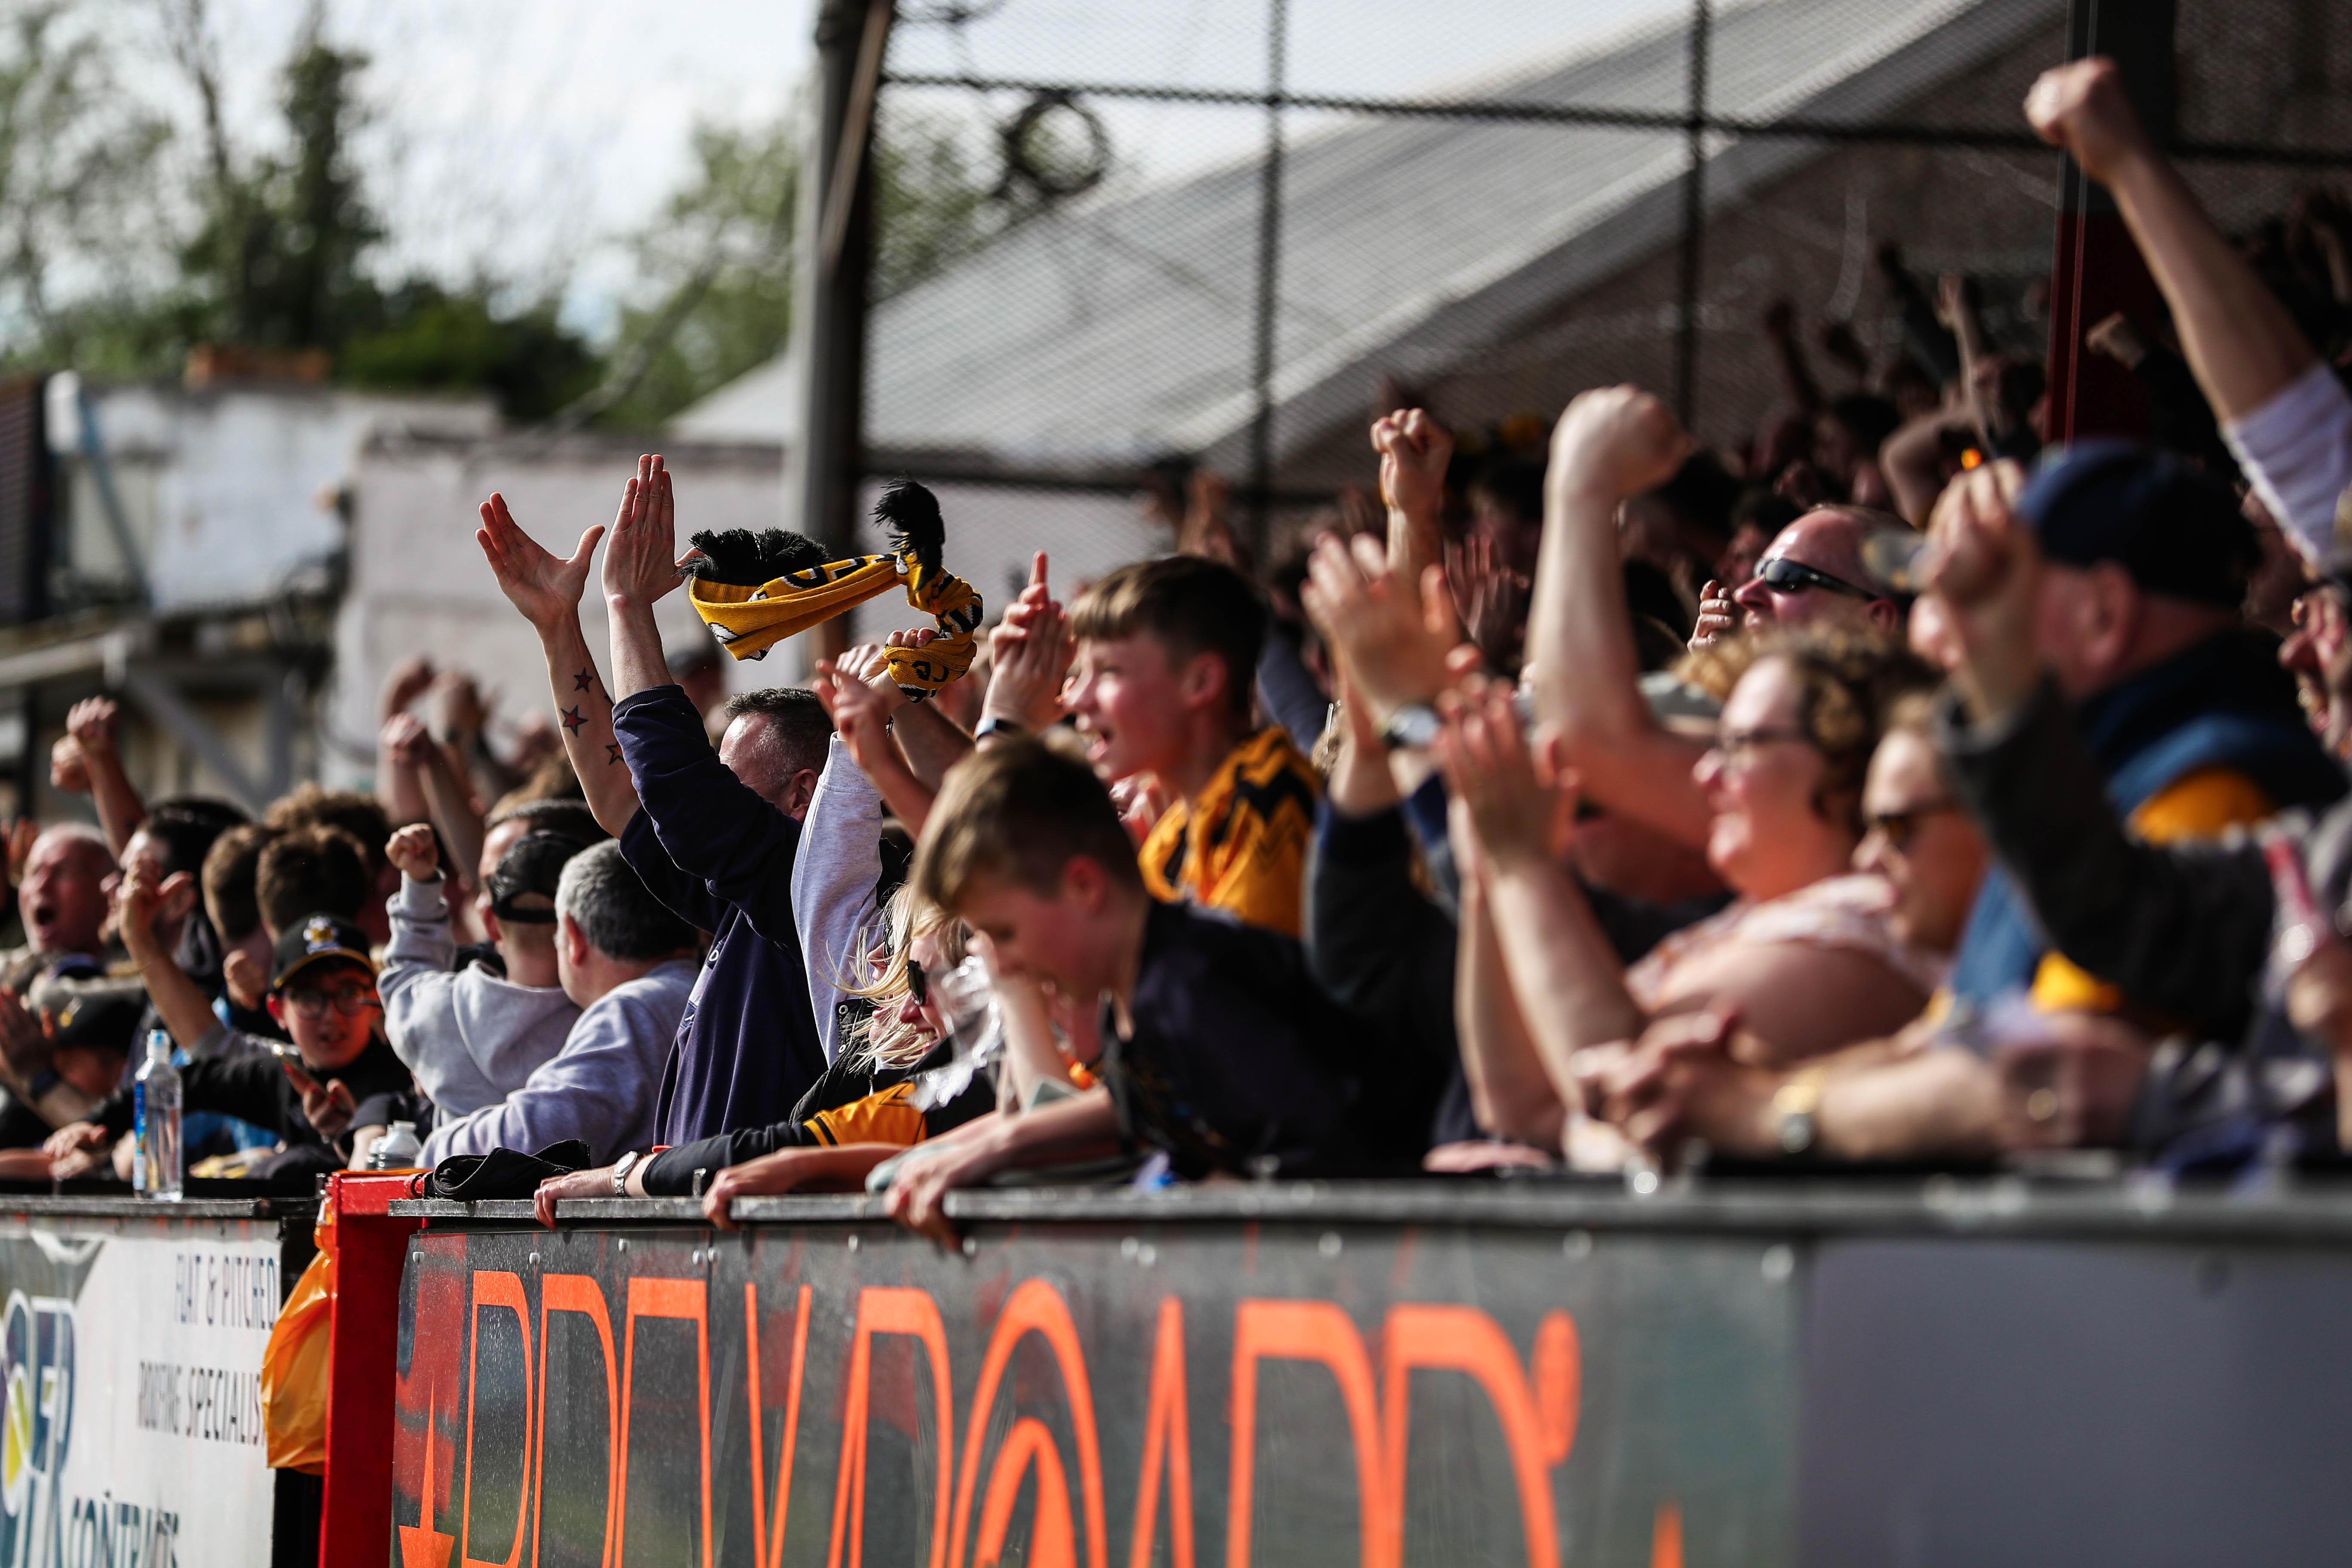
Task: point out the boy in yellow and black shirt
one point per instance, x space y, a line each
1162 685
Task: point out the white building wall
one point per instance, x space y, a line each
419 585
227 491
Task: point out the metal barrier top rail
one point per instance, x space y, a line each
2009 1206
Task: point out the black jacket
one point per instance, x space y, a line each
706 845
252 1087
2183 930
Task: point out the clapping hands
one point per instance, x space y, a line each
641 560
1030 654
541 583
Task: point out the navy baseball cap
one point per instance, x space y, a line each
315 939
2173 526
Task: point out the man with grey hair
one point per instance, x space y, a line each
627 962
62 901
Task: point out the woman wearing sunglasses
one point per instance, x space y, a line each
1813 954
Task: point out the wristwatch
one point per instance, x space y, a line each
995 725
1798 1104
621 1169
1412 728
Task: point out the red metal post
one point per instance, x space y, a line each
372 1246
2096 271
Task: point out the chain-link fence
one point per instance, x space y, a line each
1248 224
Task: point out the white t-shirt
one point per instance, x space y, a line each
2297 450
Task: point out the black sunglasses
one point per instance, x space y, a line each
1899 826
1784 575
918 985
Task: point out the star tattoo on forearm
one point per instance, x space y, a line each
612 749
584 680
573 719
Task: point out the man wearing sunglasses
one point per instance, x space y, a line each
322 992
1812 575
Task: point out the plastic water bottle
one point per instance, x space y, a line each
397 1150
155 1111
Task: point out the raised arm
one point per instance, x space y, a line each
1570 984
640 566
120 810
1415 450
1612 443
546 588
1029 655
1510 1092
187 1012
861 700
1391 635
2242 344
447 801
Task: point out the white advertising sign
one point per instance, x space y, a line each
131 1394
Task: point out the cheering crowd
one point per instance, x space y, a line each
1894 791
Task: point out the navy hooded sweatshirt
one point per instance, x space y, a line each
721 856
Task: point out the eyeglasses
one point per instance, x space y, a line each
350 999
918 985
1898 827
1734 745
1783 575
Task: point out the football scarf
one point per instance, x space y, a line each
755 590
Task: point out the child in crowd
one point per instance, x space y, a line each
471 1036
322 993
1220 1052
1160 686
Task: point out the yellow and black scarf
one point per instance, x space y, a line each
754 590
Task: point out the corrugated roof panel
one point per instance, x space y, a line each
1123 327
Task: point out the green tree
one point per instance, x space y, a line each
719 256
81 248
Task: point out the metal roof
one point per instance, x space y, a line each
1120 327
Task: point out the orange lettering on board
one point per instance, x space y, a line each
579 1293
767 1550
1167 1436
1666 1536
494 1288
1466 1339
1558 1366
1305 1330
889 1309
1028 1445
1037 1307
689 1300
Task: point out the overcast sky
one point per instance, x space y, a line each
528 136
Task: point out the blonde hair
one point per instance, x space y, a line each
1850 690
882 1039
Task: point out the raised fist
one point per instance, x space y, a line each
2081 107
415 854
91 724
1415 451
1619 441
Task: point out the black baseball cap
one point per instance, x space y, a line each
314 939
522 889
2173 526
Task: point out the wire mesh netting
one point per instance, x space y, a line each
1236 228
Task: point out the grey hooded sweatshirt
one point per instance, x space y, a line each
470 1037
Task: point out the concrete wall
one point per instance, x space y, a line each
228 492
